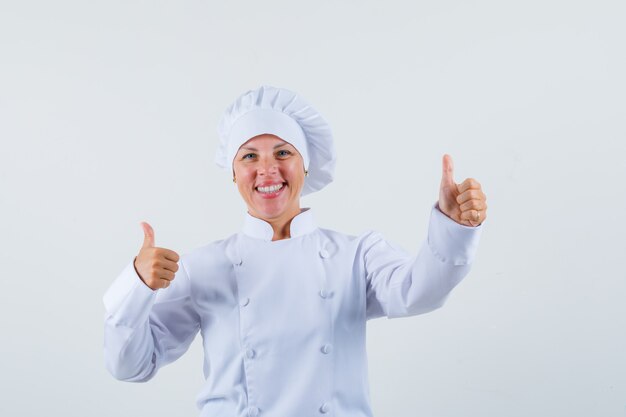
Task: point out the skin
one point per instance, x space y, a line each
155 266
267 159
465 203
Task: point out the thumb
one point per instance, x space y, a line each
148 235
447 174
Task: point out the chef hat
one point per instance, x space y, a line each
280 112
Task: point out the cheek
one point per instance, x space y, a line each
243 174
296 176
244 183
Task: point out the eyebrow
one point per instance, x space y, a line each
256 150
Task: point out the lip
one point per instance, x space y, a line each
271 195
268 183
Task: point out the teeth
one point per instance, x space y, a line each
270 189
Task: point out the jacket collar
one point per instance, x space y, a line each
301 224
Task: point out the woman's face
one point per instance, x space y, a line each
270 176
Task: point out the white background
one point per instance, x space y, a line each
107 117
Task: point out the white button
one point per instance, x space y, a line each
245 302
250 353
253 411
323 293
325 408
238 261
324 253
326 349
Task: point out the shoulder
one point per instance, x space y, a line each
211 255
364 236
360 242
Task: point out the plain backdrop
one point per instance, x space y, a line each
108 112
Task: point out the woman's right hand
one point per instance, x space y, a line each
155 266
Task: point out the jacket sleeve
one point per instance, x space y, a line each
400 285
145 329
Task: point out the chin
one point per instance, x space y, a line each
269 213
273 210
273 206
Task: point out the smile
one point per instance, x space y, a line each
270 188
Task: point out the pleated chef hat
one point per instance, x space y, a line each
280 112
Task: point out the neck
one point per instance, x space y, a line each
282 225
281 231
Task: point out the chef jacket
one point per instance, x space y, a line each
282 322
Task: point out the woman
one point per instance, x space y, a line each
282 305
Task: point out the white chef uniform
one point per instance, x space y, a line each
283 322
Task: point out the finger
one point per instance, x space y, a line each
469 183
168 265
472 215
447 174
165 283
166 274
169 254
470 194
481 218
473 205
148 235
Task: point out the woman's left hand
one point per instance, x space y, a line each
465 203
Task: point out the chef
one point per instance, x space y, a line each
282 305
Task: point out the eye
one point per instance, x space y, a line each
248 156
283 153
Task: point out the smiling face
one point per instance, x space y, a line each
270 177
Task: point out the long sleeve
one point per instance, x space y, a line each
400 285
146 329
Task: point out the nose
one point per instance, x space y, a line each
267 167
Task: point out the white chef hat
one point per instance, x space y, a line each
280 112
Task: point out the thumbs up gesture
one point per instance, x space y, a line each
465 203
156 266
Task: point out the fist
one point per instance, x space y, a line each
465 203
155 266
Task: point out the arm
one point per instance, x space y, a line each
145 329
401 285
